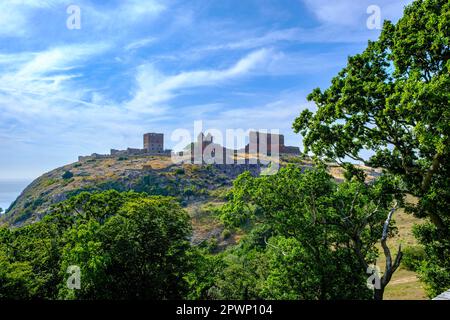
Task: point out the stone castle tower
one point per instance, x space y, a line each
154 142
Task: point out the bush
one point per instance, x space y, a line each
151 185
49 182
179 171
67 175
220 193
195 168
412 257
189 191
212 244
37 203
226 233
26 214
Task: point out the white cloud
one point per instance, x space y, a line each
140 43
6 60
47 76
268 38
17 17
337 12
39 102
108 20
45 72
299 63
153 87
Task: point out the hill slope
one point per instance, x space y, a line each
156 175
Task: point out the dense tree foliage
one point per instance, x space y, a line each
127 246
393 99
310 238
319 236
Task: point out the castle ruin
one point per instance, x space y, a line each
204 150
153 145
154 142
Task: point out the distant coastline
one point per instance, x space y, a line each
10 189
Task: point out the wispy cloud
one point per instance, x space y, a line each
267 39
140 43
45 72
17 17
110 20
154 88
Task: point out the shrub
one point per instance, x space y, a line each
37 203
67 175
212 244
49 182
220 193
412 257
189 191
26 214
179 171
226 233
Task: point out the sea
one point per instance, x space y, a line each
10 190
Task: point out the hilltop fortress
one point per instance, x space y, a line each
205 150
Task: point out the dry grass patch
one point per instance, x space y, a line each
158 164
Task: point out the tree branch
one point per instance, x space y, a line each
390 267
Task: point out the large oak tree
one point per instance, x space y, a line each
393 99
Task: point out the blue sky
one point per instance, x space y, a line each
155 66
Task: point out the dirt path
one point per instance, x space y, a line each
404 280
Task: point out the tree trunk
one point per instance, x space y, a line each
378 294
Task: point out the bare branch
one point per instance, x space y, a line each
398 258
390 267
386 224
